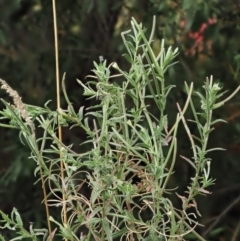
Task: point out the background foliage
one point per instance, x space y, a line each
207 33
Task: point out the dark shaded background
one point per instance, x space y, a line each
91 28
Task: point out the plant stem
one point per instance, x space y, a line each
58 107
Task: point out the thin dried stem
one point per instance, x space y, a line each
58 107
236 232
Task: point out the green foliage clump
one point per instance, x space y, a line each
131 157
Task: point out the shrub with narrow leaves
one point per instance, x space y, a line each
131 151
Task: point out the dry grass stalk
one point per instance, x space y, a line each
17 101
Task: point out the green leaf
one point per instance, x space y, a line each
86 123
131 47
215 149
128 145
18 238
95 194
18 217
80 113
16 118
2 238
218 120
128 58
106 228
119 233
216 231
6 218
